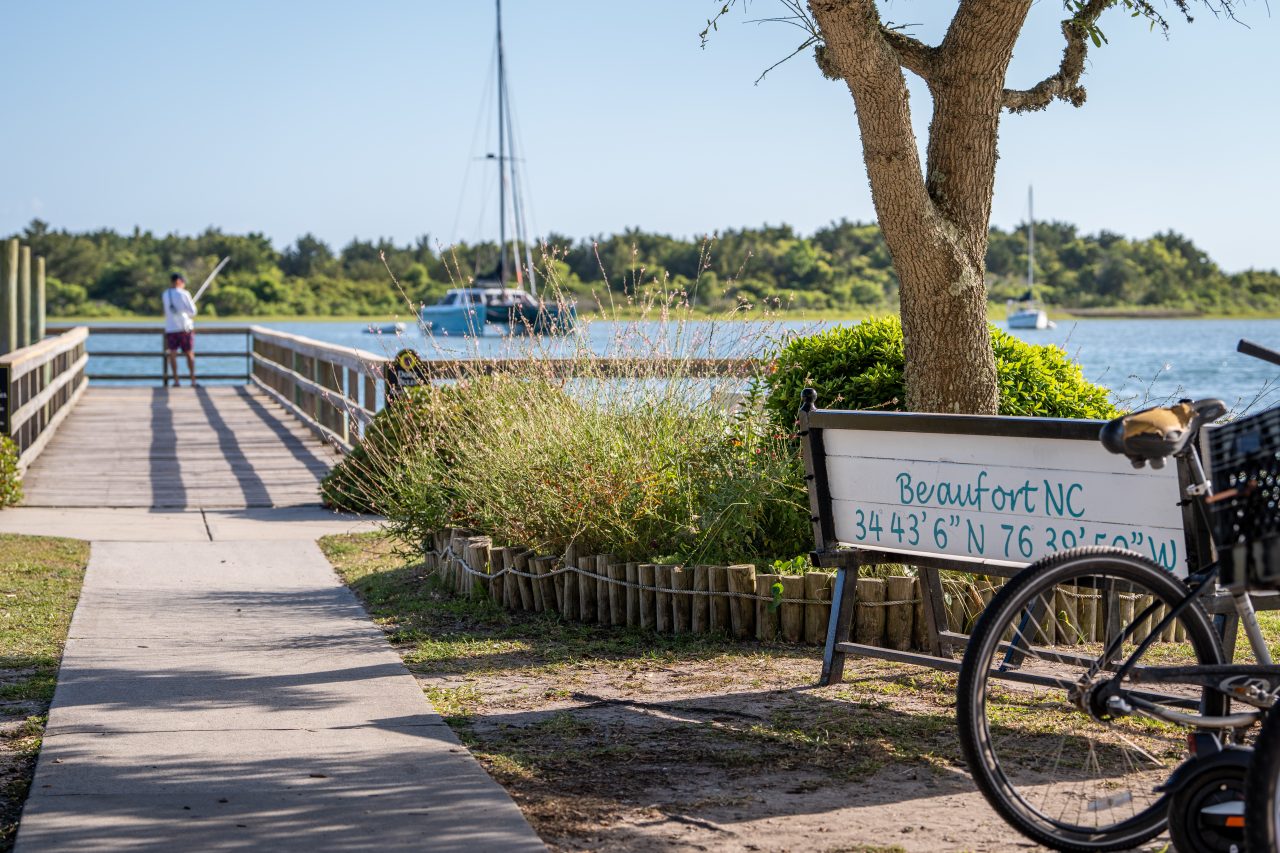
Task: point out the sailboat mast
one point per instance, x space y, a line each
502 156
1031 238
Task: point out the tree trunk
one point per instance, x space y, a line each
935 228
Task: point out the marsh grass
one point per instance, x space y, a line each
650 447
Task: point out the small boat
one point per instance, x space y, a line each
481 310
491 305
385 329
1026 312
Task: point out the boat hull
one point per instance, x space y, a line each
1031 318
452 320
528 320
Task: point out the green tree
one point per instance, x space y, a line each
935 215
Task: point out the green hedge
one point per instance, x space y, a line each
861 367
10 479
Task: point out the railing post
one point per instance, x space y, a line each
9 299
38 316
24 297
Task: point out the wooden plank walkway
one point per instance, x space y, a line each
219 447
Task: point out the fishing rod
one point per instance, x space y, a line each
208 281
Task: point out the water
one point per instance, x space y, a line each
1142 361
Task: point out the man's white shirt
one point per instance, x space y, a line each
179 310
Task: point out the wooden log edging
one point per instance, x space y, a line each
735 601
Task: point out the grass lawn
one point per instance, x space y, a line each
39 584
620 738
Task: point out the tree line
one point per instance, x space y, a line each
844 266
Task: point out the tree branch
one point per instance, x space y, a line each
1064 85
913 54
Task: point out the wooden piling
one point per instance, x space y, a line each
535 583
919 625
766 615
550 601
503 588
742 611
587 590
700 612
718 585
24 296
1145 626
1127 604
38 318
868 623
633 595
791 617
662 600
1087 611
569 600
898 617
9 296
817 587
681 612
524 584
604 608
617 573
647 573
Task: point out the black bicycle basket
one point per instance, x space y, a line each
1244 456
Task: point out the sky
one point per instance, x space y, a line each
348 119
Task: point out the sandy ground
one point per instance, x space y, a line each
643 756
617 739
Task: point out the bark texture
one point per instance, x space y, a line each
934 217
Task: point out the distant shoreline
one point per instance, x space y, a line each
995 315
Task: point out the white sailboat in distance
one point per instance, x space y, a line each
1026 312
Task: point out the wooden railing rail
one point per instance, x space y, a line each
604 367
159 354
332 389
39 386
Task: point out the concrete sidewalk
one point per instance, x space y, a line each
220 695
135 524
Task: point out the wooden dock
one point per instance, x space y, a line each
217 447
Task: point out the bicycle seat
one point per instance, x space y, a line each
1153 435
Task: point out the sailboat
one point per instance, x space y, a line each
1026 312
492 305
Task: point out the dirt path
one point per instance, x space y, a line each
612 739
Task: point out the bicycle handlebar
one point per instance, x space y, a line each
1258 351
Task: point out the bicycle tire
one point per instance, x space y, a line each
1008 615
1261 819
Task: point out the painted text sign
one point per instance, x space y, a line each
998 498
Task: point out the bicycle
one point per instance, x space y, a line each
1095 696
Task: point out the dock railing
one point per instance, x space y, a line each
332 389
39 385
336 390
162 375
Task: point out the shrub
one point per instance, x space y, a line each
861 367
636 465
10 479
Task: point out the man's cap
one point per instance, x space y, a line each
177 277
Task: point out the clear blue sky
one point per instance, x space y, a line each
359 119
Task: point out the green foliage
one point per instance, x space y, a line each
638 470
861 367
843 266
10 478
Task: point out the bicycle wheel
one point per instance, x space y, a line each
1058 774
1261 808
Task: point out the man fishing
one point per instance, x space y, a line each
179 327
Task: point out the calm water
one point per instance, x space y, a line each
1140 360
